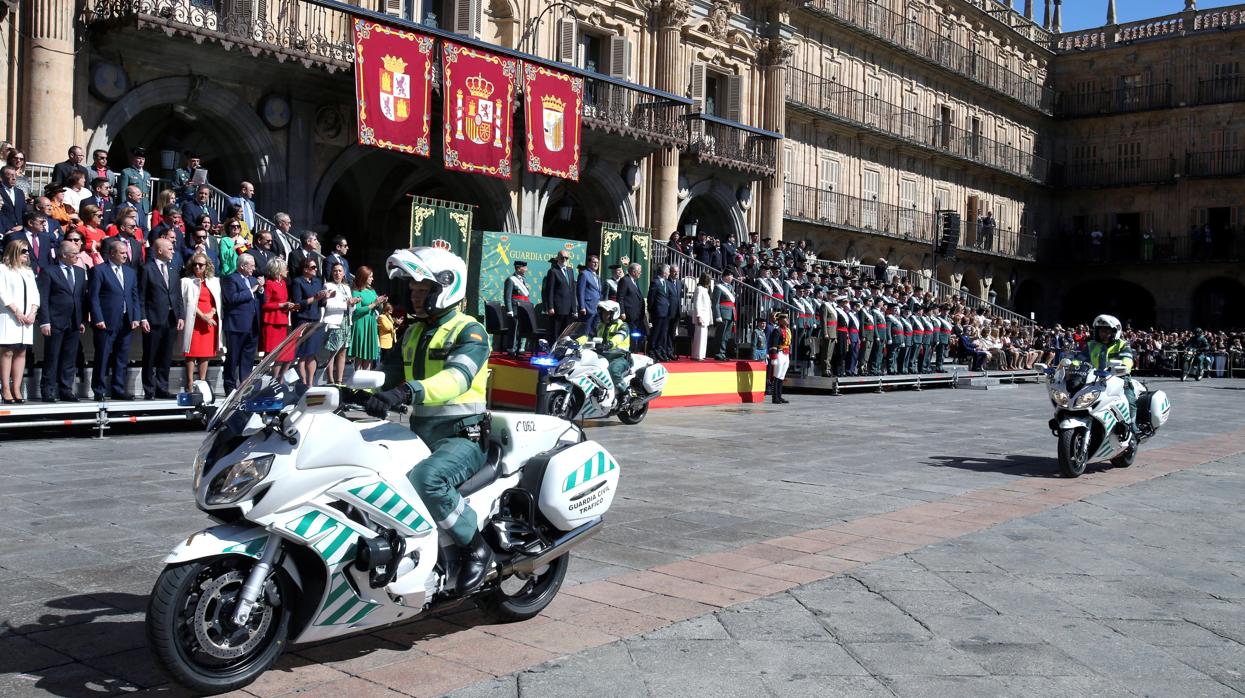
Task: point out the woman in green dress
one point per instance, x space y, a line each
364 339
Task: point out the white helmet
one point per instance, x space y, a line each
610 307
446 270
1108 321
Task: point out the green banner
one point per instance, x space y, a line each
436 223
616 242
497 253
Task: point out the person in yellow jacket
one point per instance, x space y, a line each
615 338
442 374
1106 346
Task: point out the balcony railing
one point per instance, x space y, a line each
290 28
813 205
614 108
1154 28
1229 88
734 146
926 43
1132 248
859 109
1116 101
1215 163
1120 173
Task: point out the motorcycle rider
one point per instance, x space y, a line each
1201 348
1107 345
442 375
615 338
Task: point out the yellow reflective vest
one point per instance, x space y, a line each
454 379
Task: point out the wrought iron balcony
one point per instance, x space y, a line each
1215 163
612 107
1116 101
844 104
926 43
813 205
1229 88
285 28
734 146
1120 173
1133 248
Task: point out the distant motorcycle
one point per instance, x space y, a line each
1091 414
580 387
1196 365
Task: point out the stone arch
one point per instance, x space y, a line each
1218 304
600 192
714 198
1027 298
232 116
1130 302
971 281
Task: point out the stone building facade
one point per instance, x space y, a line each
845 122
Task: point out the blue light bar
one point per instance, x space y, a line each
636 334
548 361
267 404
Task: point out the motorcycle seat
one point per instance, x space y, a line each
486 475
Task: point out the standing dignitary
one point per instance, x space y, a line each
243 297
116 311
660 299
515 294
558 295
588 293
632 300
724 312
62 318
161 292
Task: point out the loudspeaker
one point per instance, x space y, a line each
950 239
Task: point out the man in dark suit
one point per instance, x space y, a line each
659 310
134 199
588 293
102 199
558 295
631 299
116 311
309 251
201 241
60 173
263 252
126 229
12 201
195 208
35 233
171 221
61 317
242 296
338 256
161 291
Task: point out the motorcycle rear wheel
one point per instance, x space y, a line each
1073 452
633 416
1127 458
191 634
508 605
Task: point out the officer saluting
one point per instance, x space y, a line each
513 293
443 376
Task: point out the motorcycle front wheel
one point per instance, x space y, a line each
520 598
1073 452
562 405
191 631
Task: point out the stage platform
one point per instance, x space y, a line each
94 415
690 383
955 376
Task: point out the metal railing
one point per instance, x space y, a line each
943 291
1119 173
615 108
1229 88
1116 101
729 145
927 43
1215 163
857 108
1223 246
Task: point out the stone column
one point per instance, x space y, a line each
1057 25
1110 12
1029 10
671 14
1046 15
775 53
47 117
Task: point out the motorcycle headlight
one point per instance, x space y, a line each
1059 397
1086 399
235 481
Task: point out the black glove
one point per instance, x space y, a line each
379 404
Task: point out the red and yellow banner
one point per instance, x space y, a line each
554 104
393 82
479 120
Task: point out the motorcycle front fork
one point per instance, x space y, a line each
254 584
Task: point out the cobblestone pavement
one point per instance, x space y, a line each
873 544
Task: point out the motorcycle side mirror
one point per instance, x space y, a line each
542 346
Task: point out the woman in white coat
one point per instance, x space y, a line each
203 338
19 299
702 319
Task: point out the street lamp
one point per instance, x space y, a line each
689 228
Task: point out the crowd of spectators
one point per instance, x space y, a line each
193 281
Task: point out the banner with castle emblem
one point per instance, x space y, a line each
554 105
393 82
479 118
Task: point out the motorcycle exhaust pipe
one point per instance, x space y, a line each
560 547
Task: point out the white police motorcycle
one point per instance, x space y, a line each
321 534
579 385
1091 414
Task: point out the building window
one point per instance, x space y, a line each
717 94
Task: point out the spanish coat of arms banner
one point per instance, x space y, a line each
554 105
393 84
479 118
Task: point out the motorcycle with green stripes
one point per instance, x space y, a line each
319 533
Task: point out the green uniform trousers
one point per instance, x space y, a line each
453 461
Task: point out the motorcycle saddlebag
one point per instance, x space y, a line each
577 484
1155 407
654 378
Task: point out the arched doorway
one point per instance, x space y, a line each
1129 302
573 210
181 114
970 282
1028 298
1218 304
712 206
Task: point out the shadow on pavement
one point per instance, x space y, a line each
1024 466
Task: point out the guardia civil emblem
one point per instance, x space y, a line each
553 116
477 115
395 90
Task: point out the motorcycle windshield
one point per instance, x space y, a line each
261 391
572 330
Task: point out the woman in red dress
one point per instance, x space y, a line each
201 338
276 315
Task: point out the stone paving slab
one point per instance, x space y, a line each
769 507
